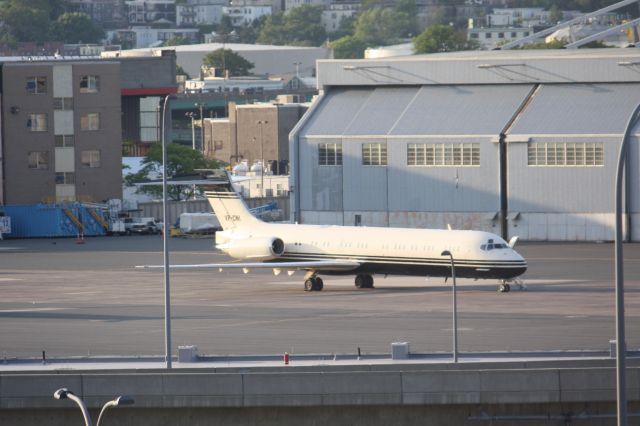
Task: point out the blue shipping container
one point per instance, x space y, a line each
53 220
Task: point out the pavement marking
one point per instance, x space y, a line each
8 311
11 279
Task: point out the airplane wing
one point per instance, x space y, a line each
315 265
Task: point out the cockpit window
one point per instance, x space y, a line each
490 245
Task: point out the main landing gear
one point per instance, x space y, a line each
505 285
364 281
313 282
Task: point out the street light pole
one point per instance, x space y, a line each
121 400
261 122
64 393
455 306
165 240
621 386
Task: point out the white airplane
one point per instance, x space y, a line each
356 250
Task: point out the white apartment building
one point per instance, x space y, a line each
244 14
517 17
490 38
336 12
142 12
143 37
199 12
290 4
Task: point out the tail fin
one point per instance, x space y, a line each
230 209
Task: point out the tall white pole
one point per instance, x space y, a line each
455 306
165 239
621 386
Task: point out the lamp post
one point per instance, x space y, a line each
455 306
165 239
621 386
65 393
121 400
261 122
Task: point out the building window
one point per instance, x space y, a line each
330 154
65 178
374 154
39 160
443 155
90 84
37 122
36 85
64 141
566 154
90 121
90 158
63 103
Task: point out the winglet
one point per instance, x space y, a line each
513 241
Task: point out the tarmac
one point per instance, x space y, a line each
88 300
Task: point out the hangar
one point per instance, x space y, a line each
515 142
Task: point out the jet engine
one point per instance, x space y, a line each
260 248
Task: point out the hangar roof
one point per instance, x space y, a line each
417 110
486 67
579 109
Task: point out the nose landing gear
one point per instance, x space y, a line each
505 285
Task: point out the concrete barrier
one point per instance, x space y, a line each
435 391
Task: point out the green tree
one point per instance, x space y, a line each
346 27
555 14
181 71
300 26
176 41
225 28
181 160
441 38
29 20
227 59
348 47
382 27
271 32
76 27
22 22
249 33
303 26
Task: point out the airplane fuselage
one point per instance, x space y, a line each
393 251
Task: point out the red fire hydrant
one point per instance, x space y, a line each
286 358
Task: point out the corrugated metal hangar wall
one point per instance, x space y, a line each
519 143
